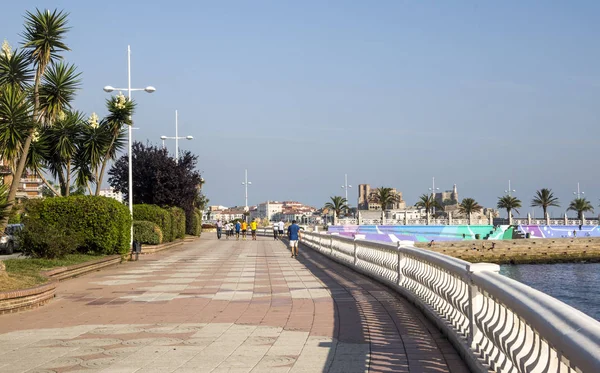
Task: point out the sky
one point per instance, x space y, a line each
391 93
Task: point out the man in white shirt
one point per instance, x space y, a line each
281 225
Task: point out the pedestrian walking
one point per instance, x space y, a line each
244 229
253 226
280 225
238 226
275 230
294 236
219 228
227 230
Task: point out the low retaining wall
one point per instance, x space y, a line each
24 299
529 250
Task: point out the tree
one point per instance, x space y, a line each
580 205
158 179
544 198
3 203
469 206
384 197
509 203
43 41
337 204
427 202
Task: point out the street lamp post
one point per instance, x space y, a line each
346 186
509 190
433 189
176 138
246 183
148 89
579 192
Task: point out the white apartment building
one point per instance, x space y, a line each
110 193
268 209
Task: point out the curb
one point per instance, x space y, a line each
23 299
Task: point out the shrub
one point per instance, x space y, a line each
41 240
177 222
157 215
147 232
86 224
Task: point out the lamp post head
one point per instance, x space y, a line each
149 89
163 137
109 88
189 137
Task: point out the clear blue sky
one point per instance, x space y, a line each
389 92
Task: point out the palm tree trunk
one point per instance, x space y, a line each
104 162
68 177
89 187
48 185
509 217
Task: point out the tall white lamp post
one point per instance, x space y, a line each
346 186
245 184
148 89
176 138
433 191
579 192
509 191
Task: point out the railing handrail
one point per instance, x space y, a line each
490 319
569 330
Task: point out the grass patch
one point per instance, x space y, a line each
25 273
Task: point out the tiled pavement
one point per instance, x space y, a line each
225 306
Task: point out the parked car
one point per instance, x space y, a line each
9 241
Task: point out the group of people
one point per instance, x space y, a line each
238 227
293 232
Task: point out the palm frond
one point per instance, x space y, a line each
43 36
15 70
59 85
15 121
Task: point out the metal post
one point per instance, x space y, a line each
246 184
176 140
355 253
130 173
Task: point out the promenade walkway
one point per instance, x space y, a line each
225 306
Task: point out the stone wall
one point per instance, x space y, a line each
533 250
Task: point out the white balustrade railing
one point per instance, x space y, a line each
497 324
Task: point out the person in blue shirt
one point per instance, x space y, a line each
294 235
238 226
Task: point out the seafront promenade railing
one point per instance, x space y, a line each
515 221
496 323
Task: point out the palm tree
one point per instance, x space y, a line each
427 202
580 205
509 203
43 41
62 139
337 204
3 202
469 206
384 197
544 198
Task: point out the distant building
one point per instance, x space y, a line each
286 210
365 199
110 193
30 185
268 209
448 196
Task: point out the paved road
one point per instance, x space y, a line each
225 306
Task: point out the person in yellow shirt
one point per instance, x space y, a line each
253 226
244 229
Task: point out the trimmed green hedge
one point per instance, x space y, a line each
194 223
157 215
58 226
177 222
147 232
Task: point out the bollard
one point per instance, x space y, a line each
136 249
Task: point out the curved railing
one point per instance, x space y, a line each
496 323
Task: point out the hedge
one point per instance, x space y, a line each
157 215
147 232
194 223
177 222
57 226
